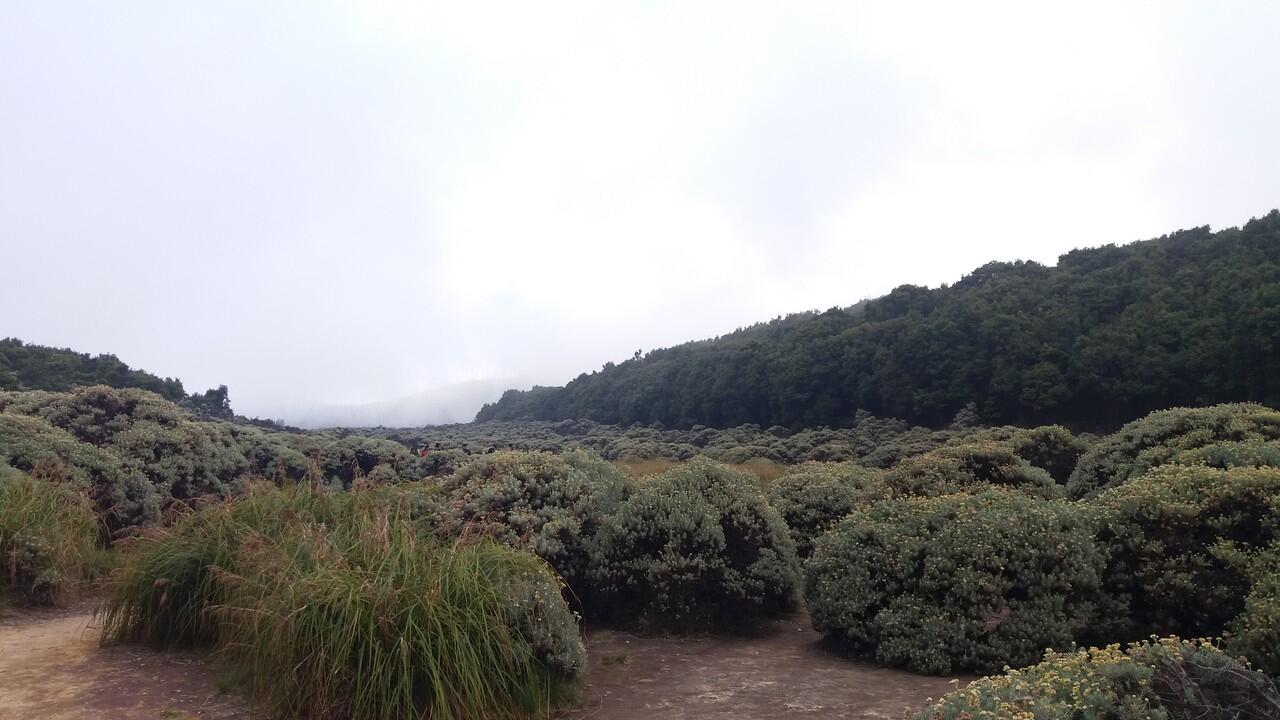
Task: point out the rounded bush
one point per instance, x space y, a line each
814 496
185 460
952 583
1160 437
969 466
1179 539
442 463
1170 679
550 504
268 454
694 547
1051 448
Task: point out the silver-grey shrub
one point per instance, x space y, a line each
696 547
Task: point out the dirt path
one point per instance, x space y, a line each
52 669
784 673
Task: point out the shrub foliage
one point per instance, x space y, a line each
697 546
550 504
1166 680
970 466
1255 633
1162 437
1179 540
136 454
814 496
952 583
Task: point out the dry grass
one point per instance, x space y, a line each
335 605
48 540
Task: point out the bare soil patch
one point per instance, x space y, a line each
786 672
52 668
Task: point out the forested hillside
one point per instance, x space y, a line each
1107 334
24 366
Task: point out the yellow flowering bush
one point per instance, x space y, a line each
1255 633
1179 541
1168 679
1166 436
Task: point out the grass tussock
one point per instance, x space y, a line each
340 605
48 540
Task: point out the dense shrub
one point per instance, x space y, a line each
1162 436
970 466
120 493
179 457
550 504
440 463
138 452
697 546
338 604
96 414
1051 448
1179 539
48 539
343 460
952 583
1225 455
871 441
185 460
1255 633
1166 680
814 496
270 455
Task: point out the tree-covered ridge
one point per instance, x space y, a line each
24 366
1109 333
36 367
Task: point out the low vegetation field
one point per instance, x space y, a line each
339 575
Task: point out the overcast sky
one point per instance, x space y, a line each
344 203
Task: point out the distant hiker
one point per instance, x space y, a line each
424 451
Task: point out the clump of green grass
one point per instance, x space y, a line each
340 605
48 540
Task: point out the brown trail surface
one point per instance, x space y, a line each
51 668
783 673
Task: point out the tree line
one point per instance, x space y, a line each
1108 334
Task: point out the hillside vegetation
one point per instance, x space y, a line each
346 576
1106 335
24 366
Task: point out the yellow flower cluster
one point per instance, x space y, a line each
1109 682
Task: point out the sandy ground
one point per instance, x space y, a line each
52 669
784 673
